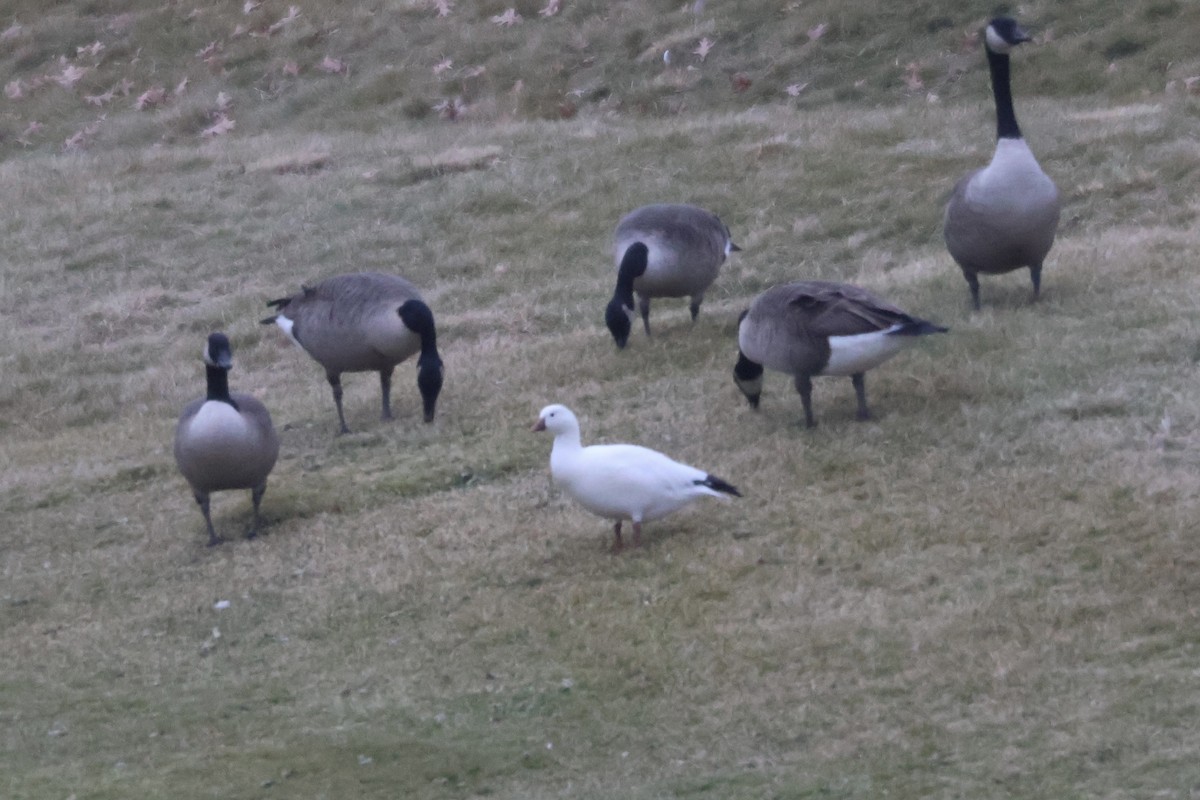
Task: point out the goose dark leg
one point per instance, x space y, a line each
695 307
335 383
385 386
618 545
256 496
860 391
644 307
1035 275
973 283
202 500
804 387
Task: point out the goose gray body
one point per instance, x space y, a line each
1004 216
684 248
364 322
225 440
812 328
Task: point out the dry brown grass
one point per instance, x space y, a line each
991 590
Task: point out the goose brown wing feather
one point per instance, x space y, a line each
833 309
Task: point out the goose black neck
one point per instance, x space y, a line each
1006 117
218 384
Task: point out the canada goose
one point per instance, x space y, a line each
814 328
664 250
364 321
622 481
1004 216
225 440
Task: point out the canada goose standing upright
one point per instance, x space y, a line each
811 328
1004 216
361 322
622 481
664 250
225 440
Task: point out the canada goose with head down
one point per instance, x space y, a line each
364 322
812 328
664 250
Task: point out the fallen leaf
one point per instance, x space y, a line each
100 99
283 22
704 48
180 88
249 6
443 7
94 49
817 31
11 32
507 19
291 68
795 89
14 90
70 76
209 50
332 65
154 96
912 76
552 7
442 66
222 126
223 102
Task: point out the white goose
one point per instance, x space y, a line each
622 481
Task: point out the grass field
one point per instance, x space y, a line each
990 590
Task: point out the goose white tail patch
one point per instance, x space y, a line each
286 326
850 355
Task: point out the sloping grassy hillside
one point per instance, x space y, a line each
989 590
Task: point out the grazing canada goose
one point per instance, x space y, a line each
622 481
664 250
225 440
1004 216
814 328
360 322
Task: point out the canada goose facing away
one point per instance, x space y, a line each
364 322
622 481
812 328
225 440
1004 216
664 250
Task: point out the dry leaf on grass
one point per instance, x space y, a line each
11 32
151 98
283 22
291 68
704 48
249 6
222 126
223 102
333 66
442 66
70 76
93 49
180 88
551 8
14 90
817 31
795 89
82 137
100 99
443 7
507 19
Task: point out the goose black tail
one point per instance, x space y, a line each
918 327
713 482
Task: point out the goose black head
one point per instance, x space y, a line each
747 375
1003 34
218 352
